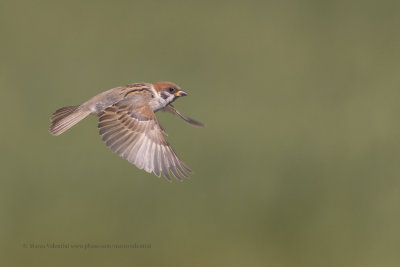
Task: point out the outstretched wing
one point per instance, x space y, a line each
171 109
135 134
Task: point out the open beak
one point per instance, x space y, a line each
181 93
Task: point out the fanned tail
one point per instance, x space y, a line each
66 117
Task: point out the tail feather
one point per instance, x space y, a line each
66 117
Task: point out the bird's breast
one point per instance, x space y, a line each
157 103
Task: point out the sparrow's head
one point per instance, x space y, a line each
168 91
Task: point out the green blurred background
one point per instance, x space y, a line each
298 164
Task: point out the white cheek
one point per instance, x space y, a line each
159 102
170 98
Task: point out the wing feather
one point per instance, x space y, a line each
135 134
156 160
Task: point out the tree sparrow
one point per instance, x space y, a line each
128 125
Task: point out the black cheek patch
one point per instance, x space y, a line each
164 95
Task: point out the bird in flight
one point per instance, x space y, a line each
128 125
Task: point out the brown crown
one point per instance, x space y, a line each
164 86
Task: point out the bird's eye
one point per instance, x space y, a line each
171 90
